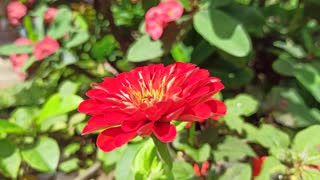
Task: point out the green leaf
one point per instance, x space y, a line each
241 105
69 165
43 156
68 88
61 24
57 105
163 152
71 149
270 167
10 159
9 49
54 123
219 3
311 174
181 53
10 128
146 164
182 170
284 66
290 108
295 50
123 169
271 137
104 47
223 32
24 117
144 49
201 52
226 150
309 76
77 39
237 172
305 140
109 159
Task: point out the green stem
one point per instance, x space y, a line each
164 155
192 132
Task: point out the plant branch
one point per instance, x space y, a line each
89 172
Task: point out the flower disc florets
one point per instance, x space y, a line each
145 100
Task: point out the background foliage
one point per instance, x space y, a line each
265 51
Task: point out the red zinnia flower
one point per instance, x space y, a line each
15 11
204 168
46 47
159 16
144 101
257 164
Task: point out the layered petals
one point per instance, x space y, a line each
113 138
15 11
46 47
145 100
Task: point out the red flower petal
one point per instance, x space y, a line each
205 167
113 138
257 164
165 132
103 121
196 170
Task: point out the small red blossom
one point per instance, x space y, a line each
158 17
18 60
15 11
50 14
257 165
46 47
145 100
204 169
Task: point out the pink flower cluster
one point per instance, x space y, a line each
17 10
42 49
158 17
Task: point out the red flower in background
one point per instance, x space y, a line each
50 14
157 18
204 168
18 60
144 101
257 164
46 47
15 11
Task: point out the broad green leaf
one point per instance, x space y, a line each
219 3
223 32
146 164
69 165
309 76
123 169
226 150
201 52
9 49
295 50
271 137
43 156
104 47
109 159
199 155
311 174
182 53
144 49
284 66
10 159
61 23
78 39
182 170
237 172
236 78
306 141
57 105
24 117
54 123
71 149
241 105
7 127
290 108
68 88
270 167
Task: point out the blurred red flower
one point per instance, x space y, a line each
257 164
50 14
46 47
204 169
18 60
145 100
15 11
159 16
